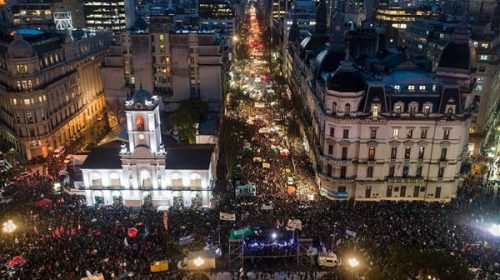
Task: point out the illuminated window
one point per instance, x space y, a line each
411 87
162 37
397 87
26 102
21 69
483 57
375 111
395 132
421 87
139 123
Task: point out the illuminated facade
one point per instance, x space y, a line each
144 171
109 14
399 18
51 89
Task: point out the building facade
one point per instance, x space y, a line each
399 136
51 89
143 171
111 15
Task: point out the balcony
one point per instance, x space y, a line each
408 179
336 179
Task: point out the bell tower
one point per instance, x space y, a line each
143 122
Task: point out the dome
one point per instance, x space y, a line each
20 48
346 79
141 96
329 60
459 53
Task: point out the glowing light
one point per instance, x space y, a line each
274 235
353 262
495 230
235 38
198 261
9 226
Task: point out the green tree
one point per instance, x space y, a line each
186 117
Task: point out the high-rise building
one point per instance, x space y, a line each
109 14
40 14
52 90
217 14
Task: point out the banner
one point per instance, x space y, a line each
165 220
294 224
159 266
266 207
240 233
227 216
351 233
183 241
246 190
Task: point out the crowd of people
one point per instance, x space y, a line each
68 240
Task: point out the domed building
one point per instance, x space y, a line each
20 48
141 171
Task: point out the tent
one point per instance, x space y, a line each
43 202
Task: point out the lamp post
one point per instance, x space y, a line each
9 227
354 264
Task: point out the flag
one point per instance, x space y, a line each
227 216
351 233
294 224
240 233
165 220
186 240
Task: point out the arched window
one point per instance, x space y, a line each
334 107
347 110
145 178
195 180
176 180
139 123
98 198
114 179
95 179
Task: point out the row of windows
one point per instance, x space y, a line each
392 171
395 133
394 153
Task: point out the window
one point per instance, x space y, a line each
368 192
395 132
483 57
409 133
342 189
444 151
418 172
329 170
347 110
421 152
413 110
369 172
162 48
162 37
344 153
397 87
397 109
27 102
371 153
407 152
139 123
416 192
394 152
392 170
330 149
402 193
411 87
438 192
373 133
332 132
441 172
421 87
389 191
427 110
346 133
423 133
334 107
406 170
446 134
375 111
343 171
21 69
29 117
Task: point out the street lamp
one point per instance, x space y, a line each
9 227
198 261
353 262
274 235
495 230
235 38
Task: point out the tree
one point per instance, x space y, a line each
406 263
186 117
230 143
116 110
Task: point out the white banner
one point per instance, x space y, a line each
294 224
227 216
267 207
351 233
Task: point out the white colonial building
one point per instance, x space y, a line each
143 170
